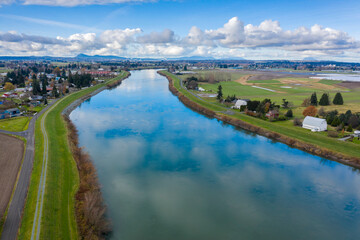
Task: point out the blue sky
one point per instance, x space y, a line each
52 27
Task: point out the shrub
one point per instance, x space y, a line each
252 105
340 127
282 118
333 134
242 108
310 111
289 114
338 99
297 122
250 113
322 112
306 102
349 129
354 121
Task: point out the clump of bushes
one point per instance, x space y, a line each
310 111
282 118
297 122
333 134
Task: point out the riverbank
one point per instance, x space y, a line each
342 152
59 211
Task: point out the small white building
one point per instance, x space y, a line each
201 89
314 124
239 103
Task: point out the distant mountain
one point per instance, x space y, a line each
202 58
99 57
191 58
310 59
232 58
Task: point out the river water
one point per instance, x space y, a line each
170 173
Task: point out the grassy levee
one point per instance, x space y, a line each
321 142
58 221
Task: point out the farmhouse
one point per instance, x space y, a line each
272 114
314 124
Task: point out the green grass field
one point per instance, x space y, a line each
231 88
62 181
286 128
17 124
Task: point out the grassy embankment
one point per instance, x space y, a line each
317 139
17 124
62 181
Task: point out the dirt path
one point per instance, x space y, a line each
11 155
243 80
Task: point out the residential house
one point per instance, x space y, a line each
272 114
9 113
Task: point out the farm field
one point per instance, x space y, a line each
285 127
292 88
10 148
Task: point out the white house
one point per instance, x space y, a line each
314 124
239 103
201 89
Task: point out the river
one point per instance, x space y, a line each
170 173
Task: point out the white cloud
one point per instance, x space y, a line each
48 22
232 34
266 40
6 2
73 3
166 36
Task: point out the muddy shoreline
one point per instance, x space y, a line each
295 143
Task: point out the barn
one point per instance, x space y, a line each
314 124
240 102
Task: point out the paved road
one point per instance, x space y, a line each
12 222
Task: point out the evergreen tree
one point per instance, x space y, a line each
55 92
338 99
36 86
324 100
44 83
70 79
220 94
313 99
